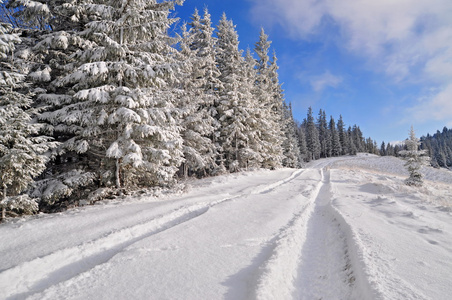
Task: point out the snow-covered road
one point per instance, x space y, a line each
334 230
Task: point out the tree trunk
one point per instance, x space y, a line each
118 173
3 206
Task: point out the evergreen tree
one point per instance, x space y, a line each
269 99
292 157
122 104
390 150
200 92
343 137
358 139
383 149
34 13
353 149
439 147
44 55
414 158
336 149
255 156
235 113
302 143
22 149
312 137
324 135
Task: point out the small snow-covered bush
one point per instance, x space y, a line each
22 204
63 186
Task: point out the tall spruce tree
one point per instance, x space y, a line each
238 130
200 86
343 137
292 155
312 137
302 143
122 102
269 101
324 135
22 149
336 148
353 149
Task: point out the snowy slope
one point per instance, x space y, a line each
342 228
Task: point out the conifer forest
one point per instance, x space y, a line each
97 100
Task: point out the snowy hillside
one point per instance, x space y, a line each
341 228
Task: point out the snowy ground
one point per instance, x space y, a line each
343 228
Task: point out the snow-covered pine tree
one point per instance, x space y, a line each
439 146
414 158
324 135
46 55
343 137
255 155
292 156
312 137
200 93
336 149
122 103
383 149
22 149
268 95
302 143
353 149
34 13
390 150
235 114
358 139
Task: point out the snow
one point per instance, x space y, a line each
341 228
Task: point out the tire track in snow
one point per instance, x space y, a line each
270 187
41 273
311 258
325 270
278 273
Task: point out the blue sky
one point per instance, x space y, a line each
384 65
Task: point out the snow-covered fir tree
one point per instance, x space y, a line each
336 149
439 147
292 156
352 149
415 159
45 55
302 143
22 149
200 93
324 135
131 110
343 137
34 14
270 103
383 151
358 139
256 144
312 137
238 132
121 108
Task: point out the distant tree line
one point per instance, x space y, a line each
320 138
439 147
97 99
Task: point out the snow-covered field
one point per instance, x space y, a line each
342 228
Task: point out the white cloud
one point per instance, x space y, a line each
320 82
437 106
408 40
